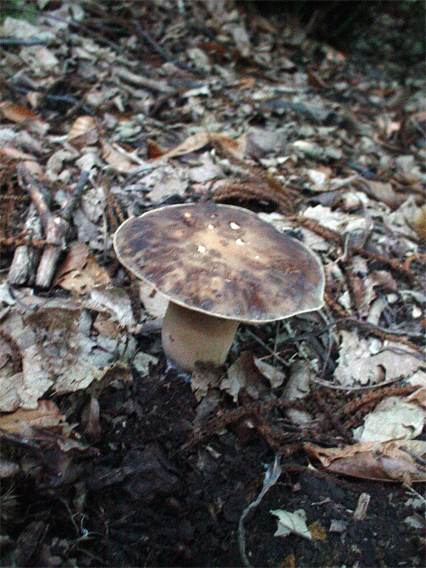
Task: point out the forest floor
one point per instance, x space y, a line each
110 456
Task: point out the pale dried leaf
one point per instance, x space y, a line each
392 419
260 142
84 131
416 220
27 387
292 523
142 362
11 153
8 468
418 379
21 29
113 300
370 361
191 144
337 220
16 113
154 302
383 192
274 375
117 160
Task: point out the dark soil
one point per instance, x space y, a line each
168 487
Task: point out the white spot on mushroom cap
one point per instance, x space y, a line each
202 249
234 226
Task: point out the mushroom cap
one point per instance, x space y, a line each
223 261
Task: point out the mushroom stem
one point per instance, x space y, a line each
189 336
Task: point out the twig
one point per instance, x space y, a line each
15 41
136 79
263 344
26 257
271 477
55 226
162 52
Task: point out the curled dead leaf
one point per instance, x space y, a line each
398 460
84 131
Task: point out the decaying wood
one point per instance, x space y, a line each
26 258
55 227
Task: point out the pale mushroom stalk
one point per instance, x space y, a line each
189 336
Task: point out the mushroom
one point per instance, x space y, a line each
218 265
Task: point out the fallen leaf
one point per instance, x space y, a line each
197 141
117 160
393 419
84 131
153 301
16 113
11 153
243 374
274 375
114 301
23 422
399 460
205 377
21 115
383 192
291 523
416 220
80 272
371 361
191 144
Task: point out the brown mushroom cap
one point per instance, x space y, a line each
223 261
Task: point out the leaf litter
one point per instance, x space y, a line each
82 375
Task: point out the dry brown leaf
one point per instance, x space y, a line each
235 147
154 150
197 141
191 144
204 377
16 113
90 420
80 271
392 419
417 221
418 396
117 160
11 153
379 461
21 115
84 131
243 374
46 415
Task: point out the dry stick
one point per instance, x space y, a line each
26 257
152 84
55 226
